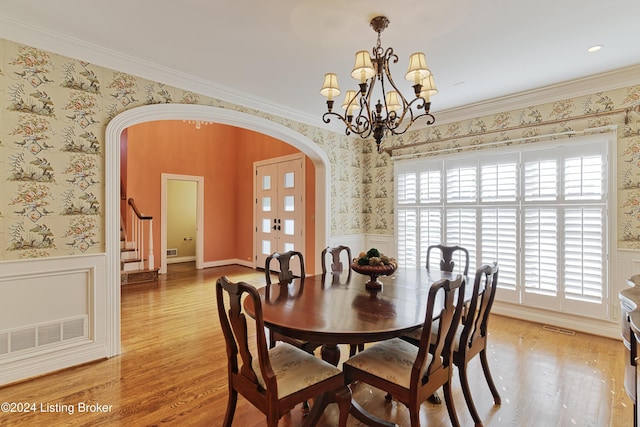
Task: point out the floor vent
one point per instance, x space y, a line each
559 330
172 252
47 334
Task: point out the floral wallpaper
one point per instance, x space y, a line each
52 123
55 111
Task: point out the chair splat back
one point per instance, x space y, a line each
233 322
452 297
284 259
447 262
337 266
479 308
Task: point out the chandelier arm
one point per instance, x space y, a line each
362 127
430 120
365 118
420 103
387 73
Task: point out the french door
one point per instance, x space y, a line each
279 206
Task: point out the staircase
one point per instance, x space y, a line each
134 268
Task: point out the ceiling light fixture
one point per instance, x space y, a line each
395 114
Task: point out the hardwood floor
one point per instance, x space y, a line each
173 372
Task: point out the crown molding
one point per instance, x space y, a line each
60 44
54 42
611 80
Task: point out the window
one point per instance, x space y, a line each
541 212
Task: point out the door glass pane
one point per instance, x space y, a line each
289 227
288 247
289 203
266 225
266 204
266 182
288 180
266 247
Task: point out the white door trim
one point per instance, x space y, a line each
154 112
199 180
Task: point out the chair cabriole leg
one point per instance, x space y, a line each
485 367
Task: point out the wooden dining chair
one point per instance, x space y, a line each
471 336
336 263
273 380
412 373
286 275
447 262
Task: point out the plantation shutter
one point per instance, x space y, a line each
539 210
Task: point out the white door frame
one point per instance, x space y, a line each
199 180
226 116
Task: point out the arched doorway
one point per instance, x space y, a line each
190 112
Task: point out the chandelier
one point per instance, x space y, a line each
198 123
393 113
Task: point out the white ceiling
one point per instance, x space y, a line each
276 52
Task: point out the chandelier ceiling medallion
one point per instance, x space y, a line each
392 113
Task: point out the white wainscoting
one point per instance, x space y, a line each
53 314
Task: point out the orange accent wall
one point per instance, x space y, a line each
224 156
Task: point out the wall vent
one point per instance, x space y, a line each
172 252
559 330
43 335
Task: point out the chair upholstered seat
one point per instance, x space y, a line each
295 369
391 360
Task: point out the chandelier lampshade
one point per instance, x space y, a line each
375 109
428 88
330 87
393 102
363 68
350 102
418 69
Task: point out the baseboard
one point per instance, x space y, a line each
224 262
179 259
586 325
29 367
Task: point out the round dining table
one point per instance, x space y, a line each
334 309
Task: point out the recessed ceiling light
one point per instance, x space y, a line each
595 48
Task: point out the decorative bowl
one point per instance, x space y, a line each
373 271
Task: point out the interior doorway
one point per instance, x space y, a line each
199 214
153 112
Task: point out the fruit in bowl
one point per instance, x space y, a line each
373 264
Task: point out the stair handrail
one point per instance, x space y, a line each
138 233
132 203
